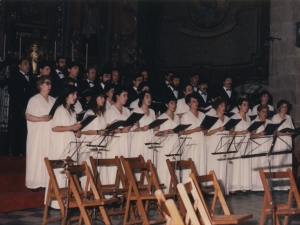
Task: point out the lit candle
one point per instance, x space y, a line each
20 48
86 54
4 47
54 50
72 51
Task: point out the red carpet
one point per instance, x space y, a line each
13 193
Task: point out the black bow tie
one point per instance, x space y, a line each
91 82
60 72
228 89
203 93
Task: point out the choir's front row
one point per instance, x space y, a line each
61 136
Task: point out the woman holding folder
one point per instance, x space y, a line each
216 137
169 140
142 134
195 148
260 144
240 169
65 129
284 140
39 124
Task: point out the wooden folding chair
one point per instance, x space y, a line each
110 188
269 208
191 218
54 192
82 201
169 209
227 218
141 196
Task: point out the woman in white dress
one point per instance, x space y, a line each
109 90
265 144
143 134
143 86
169 141
239 174
182 106
65 129
94 133
264 99
284 142
236 109
194 148
216 137
39 124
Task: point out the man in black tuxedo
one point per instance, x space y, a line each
194 79
166 82
44 69
105 77
173 89
18 89
133 93
89 83
73 70
58 76
115 76
204 98
227 92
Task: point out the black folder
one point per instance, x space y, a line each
80 115
231 123
255 125
208 122
284 130
87 120
271 127
229 114
156 123
115 125
271 114
54 107
181 127
253 117
133 118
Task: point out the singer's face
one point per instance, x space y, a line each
264 99
110 93
244 107
171 106
71 99
263 114
188 90
147 99
115 76
283 108
122 98
100 100
193 103
221 108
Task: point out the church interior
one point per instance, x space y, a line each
256 42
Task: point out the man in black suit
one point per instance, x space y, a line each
166 83
58 76
45 69
204 98
173 89
18 89
133 93
89 83
227 92
105 77
194 79
73 70
115 76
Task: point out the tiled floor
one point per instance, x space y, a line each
237 204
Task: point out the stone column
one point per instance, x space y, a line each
284 76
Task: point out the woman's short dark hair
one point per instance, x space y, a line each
189 96
241 100
281 102
108 87
218 102
94 106
170 98
142 85
264 92
41 80
261 107
186 85
118 91
67 90
142 96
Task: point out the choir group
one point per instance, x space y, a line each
217 148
